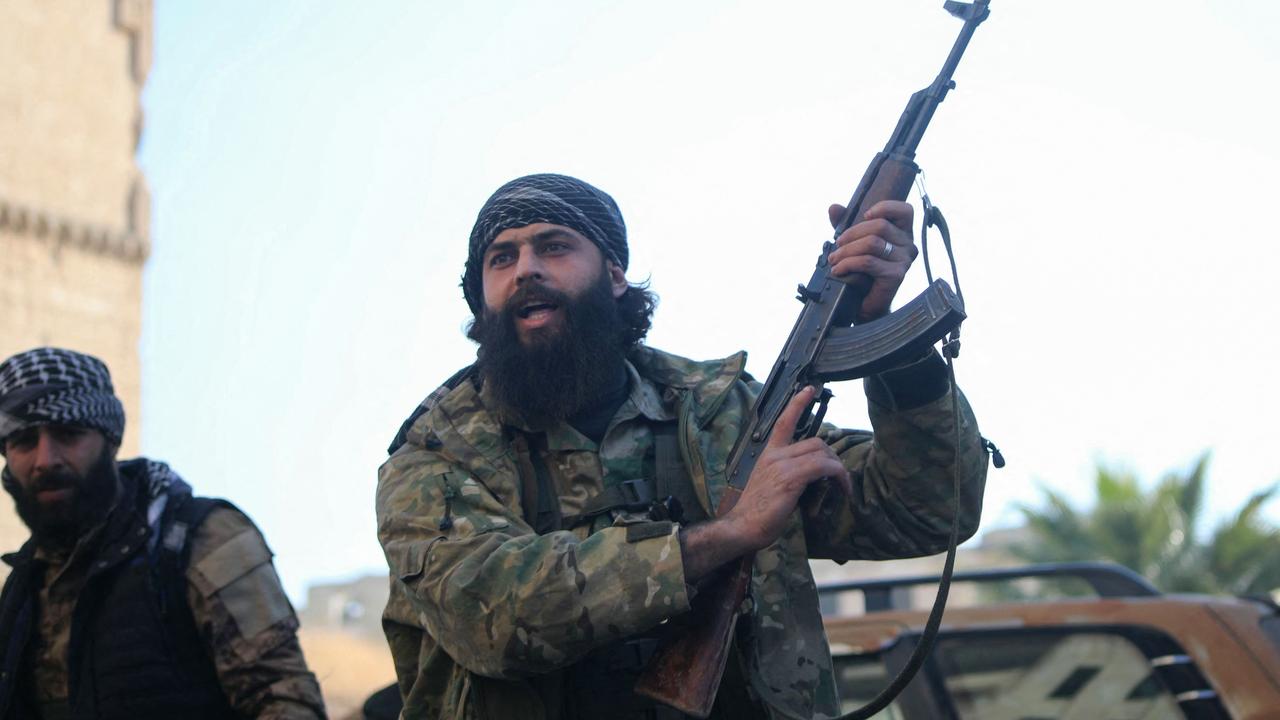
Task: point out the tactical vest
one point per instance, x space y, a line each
135 652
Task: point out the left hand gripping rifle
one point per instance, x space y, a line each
824 346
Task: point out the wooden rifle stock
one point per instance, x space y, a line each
686 668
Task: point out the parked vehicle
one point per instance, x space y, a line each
1126 653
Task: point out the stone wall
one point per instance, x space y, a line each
74 207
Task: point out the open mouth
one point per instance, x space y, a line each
51 495
536 309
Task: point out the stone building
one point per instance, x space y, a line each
353 607
73 204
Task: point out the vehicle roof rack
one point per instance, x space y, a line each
1107 580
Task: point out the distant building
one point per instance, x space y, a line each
342 638
353 607
73 203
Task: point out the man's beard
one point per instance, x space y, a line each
62 524
561 372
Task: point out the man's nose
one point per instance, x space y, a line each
48 455
528 266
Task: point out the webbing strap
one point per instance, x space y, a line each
173 554
673 478
670 480
539 498
630 495
667 467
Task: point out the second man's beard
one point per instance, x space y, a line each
559 373
62 525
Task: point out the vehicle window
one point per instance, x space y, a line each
1027 676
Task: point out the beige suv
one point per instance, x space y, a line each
1126 652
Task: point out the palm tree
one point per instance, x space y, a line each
1155 533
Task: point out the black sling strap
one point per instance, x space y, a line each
171 558
402 436
667 468
673 479
539 498
173 553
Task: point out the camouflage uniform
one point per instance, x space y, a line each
240 611
483 610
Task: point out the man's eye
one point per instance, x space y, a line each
23 440
554 247
499 259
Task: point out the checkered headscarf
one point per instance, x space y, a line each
52 385
546 198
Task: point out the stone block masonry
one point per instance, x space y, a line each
74 207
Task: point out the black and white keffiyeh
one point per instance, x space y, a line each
52 385
545 198
157 481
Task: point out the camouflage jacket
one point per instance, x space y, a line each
481 605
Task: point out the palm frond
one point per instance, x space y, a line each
1154 532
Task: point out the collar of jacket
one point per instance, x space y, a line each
707 382
462 427
20 557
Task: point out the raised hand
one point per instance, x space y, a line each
880 246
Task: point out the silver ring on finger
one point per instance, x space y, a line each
887 251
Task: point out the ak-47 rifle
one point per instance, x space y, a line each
824 346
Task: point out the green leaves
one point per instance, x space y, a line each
1155 533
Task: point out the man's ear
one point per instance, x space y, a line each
617 279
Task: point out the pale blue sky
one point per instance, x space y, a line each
315 169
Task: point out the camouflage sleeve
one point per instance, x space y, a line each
247 623
903 476
500 599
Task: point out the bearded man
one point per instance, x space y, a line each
546 510
133 599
